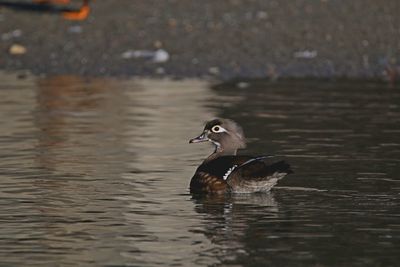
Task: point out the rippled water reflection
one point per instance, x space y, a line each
95 172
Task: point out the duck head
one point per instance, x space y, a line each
225 134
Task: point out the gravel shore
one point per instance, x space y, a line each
226 39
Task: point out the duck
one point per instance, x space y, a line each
225 172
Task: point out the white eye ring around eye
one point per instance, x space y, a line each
217 129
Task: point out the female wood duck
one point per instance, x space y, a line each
224 172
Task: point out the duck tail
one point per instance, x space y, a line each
281 167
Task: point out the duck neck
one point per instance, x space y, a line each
220 151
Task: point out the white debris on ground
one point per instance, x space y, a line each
213 70
157 56
242 85
307 54
12 34
75 29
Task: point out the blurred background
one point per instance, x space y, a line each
245 38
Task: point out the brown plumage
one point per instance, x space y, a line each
223 171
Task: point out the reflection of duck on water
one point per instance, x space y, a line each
223 171
229 220
224 204
52 6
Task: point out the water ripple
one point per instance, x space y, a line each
94 172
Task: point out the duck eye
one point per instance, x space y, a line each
218 129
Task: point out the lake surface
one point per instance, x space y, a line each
95 172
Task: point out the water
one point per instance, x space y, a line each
95 172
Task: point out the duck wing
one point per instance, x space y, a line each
211 176
258 174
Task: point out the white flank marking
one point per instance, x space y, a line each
229 171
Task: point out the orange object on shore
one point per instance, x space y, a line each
81 14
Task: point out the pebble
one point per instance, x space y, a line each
17 49
75 29
157 56
160 71
308 54
10 35
213 70
262 15
242 85
195 61
161 56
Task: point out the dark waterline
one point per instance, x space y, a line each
94 172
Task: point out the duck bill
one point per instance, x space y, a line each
201 138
